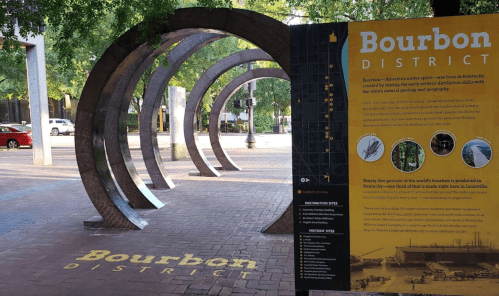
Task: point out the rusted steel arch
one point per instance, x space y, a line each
152 102
270 35
196 96
115 134
219 104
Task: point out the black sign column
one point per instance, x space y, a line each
320 158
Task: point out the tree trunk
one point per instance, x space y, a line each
406 155
276 107
200 123
199 117
417 156
282 120
397 156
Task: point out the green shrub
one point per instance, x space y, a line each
133 121
263 123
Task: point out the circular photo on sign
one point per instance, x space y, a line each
370 148
476 153
442 144
408 156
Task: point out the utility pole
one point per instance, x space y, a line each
249 103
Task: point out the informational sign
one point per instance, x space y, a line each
320 154
395 126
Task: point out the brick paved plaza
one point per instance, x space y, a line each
207 240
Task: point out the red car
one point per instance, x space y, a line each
15 136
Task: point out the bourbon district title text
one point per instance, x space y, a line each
437 41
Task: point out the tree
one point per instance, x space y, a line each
397 156
277 9
61 80
74 22
75 30
13 76
323 11
200 62
408 146
273 97
141 89
469 7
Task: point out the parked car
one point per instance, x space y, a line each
23 127
61 126
14 136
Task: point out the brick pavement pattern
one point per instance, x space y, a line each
43 243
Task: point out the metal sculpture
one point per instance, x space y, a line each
197 94
115 133
152 102
219 105
126 56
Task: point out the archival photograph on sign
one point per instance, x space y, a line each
408 156
477 153
429 226
370 148
415 266
442 144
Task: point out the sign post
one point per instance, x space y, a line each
394 132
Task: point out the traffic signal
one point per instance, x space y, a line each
238 104
251 102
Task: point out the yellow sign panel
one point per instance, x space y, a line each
423 125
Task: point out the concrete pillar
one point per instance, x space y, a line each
37 85
176 105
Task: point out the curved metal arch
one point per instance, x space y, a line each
96 174
152 102
197 94
127 53
115 133
219 104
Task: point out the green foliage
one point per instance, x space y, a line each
479 6
239 94
63 79
263 123
190 71
78 32
13 82
277 9
273 97
468 157
74 23
324 11
133 122
166 120
30 15
409 155
215 3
